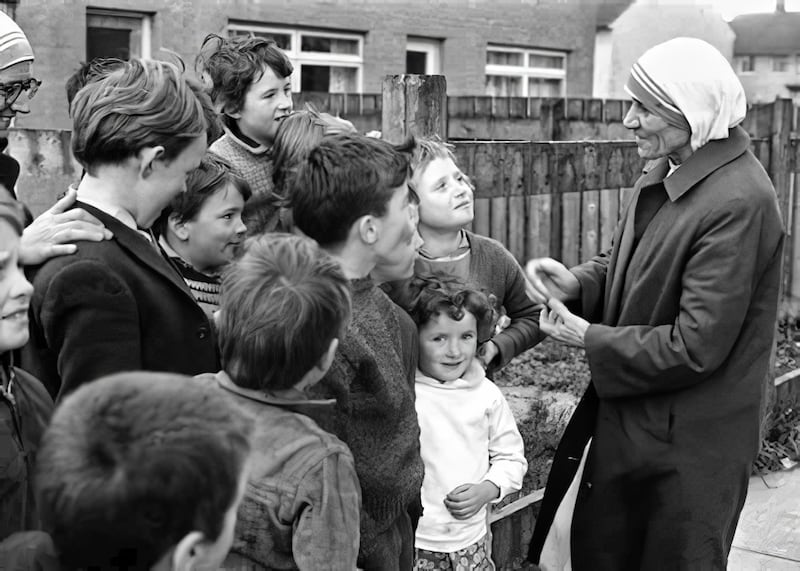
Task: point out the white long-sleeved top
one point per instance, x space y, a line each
467 435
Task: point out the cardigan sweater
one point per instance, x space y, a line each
253 164
372 379
493 268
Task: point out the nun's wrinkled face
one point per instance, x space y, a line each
655 137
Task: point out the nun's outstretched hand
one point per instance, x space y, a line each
561 324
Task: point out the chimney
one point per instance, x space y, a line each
780 6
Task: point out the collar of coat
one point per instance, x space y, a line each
699 165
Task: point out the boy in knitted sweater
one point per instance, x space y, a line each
350 194
251 84
445 209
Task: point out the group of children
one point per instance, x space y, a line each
347 429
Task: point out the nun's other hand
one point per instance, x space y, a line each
562 325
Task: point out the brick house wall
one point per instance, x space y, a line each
57 31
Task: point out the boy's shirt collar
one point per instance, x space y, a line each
461 250
225 382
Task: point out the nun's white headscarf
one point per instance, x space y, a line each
692 86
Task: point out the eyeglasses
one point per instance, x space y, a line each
12 91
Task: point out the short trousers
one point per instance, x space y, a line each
475 556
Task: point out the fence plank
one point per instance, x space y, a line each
780 166
537 238
590 224
336 104
482 222
570 228
792 297
483 106
594 110
518 107
516 227
574 111
499 219
352 104
609 215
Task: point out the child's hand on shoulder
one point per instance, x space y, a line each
466 500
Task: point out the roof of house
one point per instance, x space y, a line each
777 33
610 10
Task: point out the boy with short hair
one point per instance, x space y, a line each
251 86
143 471
445 209
118 305
285 305
351 195
201 231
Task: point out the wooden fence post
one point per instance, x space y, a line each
780 167
414 105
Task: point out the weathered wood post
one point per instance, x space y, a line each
780 168
414 105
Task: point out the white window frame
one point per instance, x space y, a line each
523 71
785 61
432 48
741 64
146 25
299 57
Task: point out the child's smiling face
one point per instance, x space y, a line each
15 292
447 346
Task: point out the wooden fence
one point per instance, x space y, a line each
494 118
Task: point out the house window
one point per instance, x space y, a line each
780 64
116 33
525 72
747 64
323 61
423 56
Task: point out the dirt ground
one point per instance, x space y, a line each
544 384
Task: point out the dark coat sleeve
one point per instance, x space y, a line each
592 277
717 284
90 318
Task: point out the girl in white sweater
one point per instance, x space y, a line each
470 445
